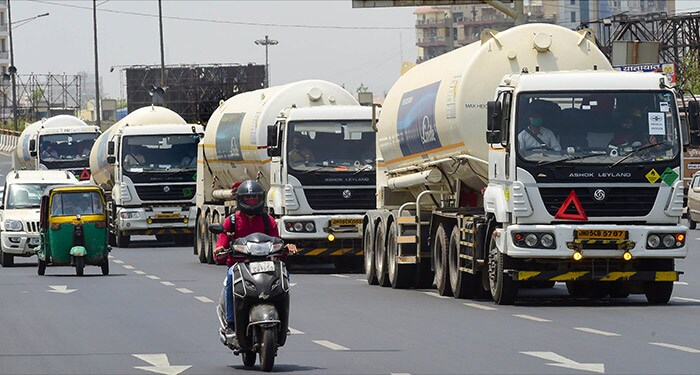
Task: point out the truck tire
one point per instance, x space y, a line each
658 292
464 284
368 254
123 240
504 289
401 276
7 260
380 256
440 255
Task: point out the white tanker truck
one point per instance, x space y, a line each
478 202
147 164
311 145
59 142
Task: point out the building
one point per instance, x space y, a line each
4 57
574 12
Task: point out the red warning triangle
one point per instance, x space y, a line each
84 175
579 215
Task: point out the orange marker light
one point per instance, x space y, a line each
680 237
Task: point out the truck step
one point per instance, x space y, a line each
406 239
406 220
407 260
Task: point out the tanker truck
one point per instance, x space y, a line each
59 142
312 146
146 164
501 172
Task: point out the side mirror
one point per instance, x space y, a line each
216 228
493 122
693 121
273 146
110 148
696 190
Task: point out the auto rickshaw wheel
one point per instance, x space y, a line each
79 266
41 270
105 267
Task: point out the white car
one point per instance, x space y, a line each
19 211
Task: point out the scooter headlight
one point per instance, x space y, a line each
259 249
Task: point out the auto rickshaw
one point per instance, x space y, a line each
73 228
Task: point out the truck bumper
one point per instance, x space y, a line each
156 220
19 243
566 244
332 235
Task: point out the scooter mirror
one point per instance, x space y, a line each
216 228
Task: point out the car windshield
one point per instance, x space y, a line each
64 147
74 203
331 146
154 153
25 195
597 127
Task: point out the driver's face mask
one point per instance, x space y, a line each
536 121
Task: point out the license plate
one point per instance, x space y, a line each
266 266
601 234
167 216
345 222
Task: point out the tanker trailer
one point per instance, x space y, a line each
59 142
485 196
146 164
312 147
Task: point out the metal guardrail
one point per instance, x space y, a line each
8 140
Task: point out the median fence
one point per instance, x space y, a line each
8 140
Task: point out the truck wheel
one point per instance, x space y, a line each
401 276
440 252
123 240
368 254
692 224
464 284
658 292
504 289
8 260
380 256
578 289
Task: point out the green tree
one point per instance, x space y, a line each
690 73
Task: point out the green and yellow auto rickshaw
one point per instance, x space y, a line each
73 228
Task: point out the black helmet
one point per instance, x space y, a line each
250 197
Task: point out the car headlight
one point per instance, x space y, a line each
12 225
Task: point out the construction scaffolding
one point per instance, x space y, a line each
40 95
192 91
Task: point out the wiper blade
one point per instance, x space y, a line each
636 150
568 158
367 167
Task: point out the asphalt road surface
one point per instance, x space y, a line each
155 314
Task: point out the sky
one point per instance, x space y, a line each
326 40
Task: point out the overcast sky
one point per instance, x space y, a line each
317 39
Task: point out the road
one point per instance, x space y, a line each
155 314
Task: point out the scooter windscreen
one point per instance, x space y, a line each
258 244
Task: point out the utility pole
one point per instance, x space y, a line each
98 106
162 53
12 70
266 42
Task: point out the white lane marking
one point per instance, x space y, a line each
167 283
340 276
117 261
184 290
530 317
480 307
295 331
361 280
595 331
680 283
292 284
153 277
203 299
139 272
676 347
128 267
686 299
561 361
436 295
330 345
110 256
400 373
62 289
159 364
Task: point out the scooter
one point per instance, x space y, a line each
261 299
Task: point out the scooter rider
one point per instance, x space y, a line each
249 218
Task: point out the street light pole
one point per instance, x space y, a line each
98 108
12 70
266 42
162 53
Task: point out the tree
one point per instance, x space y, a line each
690 79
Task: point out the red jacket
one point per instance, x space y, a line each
245 225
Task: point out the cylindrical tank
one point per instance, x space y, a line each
437 109
22 158
235 138
103 172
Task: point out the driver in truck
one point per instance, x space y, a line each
535 136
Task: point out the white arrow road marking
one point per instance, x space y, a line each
159 364
60 289
480 307
595 331
677 347
533 318
687 299
330 345
564 362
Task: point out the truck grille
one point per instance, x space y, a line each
333 199
619 201
165 192
31 226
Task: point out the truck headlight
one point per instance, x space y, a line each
653 241
669 240
12 225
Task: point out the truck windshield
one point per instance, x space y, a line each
25 195
331 146
148 153
56 149
597 127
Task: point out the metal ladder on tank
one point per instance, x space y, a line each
409 228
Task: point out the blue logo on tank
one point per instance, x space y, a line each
416 120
